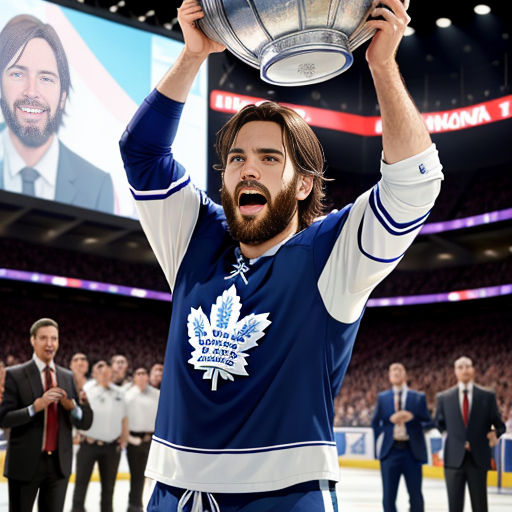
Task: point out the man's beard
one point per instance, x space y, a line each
30 136
252 231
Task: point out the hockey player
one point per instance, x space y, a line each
266 302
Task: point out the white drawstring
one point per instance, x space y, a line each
197 502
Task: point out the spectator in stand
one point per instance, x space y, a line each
469 416
11 360
141 404
120 371
104 440
80 368
155 375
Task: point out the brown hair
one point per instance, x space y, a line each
23 28
42 322
302 144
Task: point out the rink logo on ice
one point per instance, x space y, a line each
220 343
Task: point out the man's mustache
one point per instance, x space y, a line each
28 102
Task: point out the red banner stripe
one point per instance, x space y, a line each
437 122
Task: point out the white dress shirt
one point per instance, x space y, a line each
399 430
41 366
77 411
142 407
45 184
109 409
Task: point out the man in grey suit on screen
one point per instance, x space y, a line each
469 415
35 83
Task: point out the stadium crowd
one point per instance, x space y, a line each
428 349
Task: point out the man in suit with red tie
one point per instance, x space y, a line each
469 415
398 423
40 405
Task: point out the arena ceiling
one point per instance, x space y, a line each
163 13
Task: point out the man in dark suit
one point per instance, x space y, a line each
398 423
40 405
34 89
469 415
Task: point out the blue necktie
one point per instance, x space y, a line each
29 176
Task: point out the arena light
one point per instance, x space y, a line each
431 298
443 22
467 222
92 286
409 31
141 293
482 9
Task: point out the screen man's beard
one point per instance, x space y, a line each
30 136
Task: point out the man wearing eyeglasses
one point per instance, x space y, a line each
40 405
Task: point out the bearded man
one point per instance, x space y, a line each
35 84
266 301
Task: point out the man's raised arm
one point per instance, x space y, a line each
167 203
384 221
178 80
403 131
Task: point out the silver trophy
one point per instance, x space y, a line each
292 42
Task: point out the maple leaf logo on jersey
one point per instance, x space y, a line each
220 343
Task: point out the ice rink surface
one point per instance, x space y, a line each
359 490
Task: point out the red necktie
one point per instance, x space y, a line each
52 422
465 408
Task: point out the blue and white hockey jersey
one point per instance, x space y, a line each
257 349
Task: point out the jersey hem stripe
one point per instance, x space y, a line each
242 450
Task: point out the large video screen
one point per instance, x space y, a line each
70 84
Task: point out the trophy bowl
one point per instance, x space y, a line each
298 42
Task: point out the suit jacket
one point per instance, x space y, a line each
23 385
483 415
79 182
415 403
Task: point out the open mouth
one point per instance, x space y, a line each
250 202
31 110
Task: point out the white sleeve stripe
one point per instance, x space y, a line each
393 227
162 192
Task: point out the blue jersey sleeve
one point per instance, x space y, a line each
167 202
